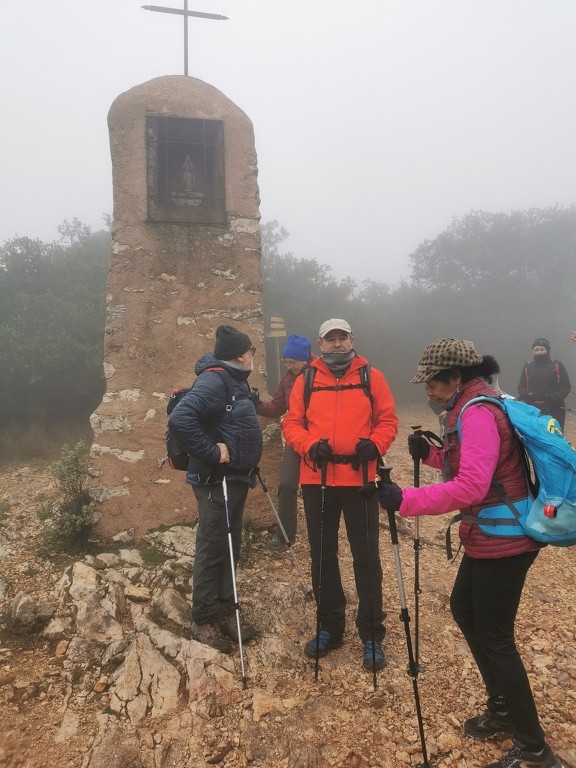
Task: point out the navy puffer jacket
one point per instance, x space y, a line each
200 420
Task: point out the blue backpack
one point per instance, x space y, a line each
549 514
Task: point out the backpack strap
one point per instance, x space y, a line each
526 377
309 374
309 388
229 383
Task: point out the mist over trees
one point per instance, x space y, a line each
501 280
52 315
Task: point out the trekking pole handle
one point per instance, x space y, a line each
324 465
384 475
417 430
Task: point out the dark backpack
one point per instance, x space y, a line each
527 367
176 456
309 388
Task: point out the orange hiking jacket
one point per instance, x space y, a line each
343 416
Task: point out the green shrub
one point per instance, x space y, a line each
69 518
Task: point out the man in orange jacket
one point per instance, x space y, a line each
347 424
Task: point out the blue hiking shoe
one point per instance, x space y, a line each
373 655
326 642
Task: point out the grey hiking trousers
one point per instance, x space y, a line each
212 583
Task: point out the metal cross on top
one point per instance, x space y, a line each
186 14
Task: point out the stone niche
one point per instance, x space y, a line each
185 259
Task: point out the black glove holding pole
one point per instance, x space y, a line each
390 496
321 452
366 450
418 446
255 396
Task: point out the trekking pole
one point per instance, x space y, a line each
308 594
384 477
417 547
236 603
323 473
370 577
437 441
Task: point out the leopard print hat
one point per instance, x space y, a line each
446 353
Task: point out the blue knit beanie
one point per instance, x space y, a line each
297 347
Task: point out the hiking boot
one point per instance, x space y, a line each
230 628
373 660
487 725
326 642
518 757
227 622
210 634
277 544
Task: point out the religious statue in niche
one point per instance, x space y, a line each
188 195
185 170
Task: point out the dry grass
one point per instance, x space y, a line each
37 441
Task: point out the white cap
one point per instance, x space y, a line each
334 324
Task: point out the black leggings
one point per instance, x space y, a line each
484 603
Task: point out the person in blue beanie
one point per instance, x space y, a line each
296 356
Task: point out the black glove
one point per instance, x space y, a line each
321 452
390 496
368 490
366 450
255 396
418 446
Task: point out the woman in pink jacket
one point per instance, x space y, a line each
477 464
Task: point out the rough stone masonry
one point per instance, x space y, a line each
185 258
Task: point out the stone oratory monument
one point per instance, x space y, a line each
185 259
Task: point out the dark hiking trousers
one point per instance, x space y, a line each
484 603
288 492
331 599
212 578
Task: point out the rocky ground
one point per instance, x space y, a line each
98 671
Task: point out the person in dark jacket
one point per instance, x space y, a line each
220 440
491 576
296 355
544 382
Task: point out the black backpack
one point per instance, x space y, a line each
176 456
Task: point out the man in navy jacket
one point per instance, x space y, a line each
216 424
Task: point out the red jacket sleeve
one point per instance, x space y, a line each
384 419
295 433
276 407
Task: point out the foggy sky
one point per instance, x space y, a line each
376 121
